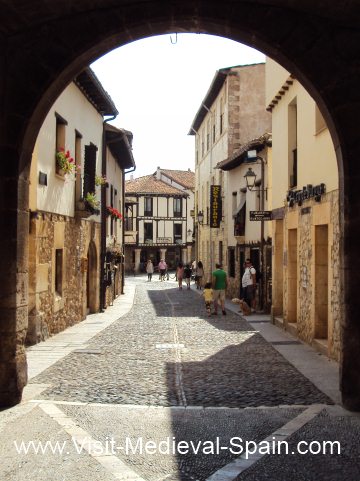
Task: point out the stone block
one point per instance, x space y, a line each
42 277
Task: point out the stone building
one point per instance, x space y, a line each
118 158
305 201
66 210
159 219
243 234
231 114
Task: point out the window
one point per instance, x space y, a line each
293 174
178 233
177 207
60 140
148 231
292 142
89 169
240 221
231 256
208 135
220 252
129 223
58 271
148 206
221 118
320 123
77 158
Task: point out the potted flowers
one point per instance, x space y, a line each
91 203
65 163
114 213
100 180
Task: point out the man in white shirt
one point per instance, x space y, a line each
249 284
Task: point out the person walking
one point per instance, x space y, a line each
162 269
248 283
219 283
180 274
149 269
208 297
199 274
187 274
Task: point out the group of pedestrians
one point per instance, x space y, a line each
214 291
162 267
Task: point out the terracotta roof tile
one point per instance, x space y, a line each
149 184
186 178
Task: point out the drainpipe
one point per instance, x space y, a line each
123 231
103 218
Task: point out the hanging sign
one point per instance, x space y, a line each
260 215
215 206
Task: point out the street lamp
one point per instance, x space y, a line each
250 178
200 217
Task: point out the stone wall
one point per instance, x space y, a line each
306 219
49 312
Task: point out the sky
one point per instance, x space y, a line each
158 84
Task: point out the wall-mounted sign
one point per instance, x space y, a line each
260 215
308 191
215 206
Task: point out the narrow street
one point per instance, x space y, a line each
155 368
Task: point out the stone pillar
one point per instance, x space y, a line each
184 255
137 260
14 226
189 251
163 254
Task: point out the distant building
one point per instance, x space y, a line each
118 158
243 233
230 116
306 287
159 219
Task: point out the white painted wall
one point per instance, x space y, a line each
114 176
59 195
316 155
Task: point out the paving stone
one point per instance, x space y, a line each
221 361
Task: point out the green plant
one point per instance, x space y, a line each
65 162
100 180
91 200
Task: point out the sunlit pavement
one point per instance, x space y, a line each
120 390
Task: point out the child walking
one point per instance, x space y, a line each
208 297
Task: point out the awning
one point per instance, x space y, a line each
240 204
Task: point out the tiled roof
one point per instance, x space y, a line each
149 184
186 178
239 156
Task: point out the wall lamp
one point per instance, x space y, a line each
250 178
200 217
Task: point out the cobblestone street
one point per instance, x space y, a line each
164 371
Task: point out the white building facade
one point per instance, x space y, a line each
159 219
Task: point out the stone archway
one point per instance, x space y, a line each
43 46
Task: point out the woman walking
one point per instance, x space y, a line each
199 275
149 269
180 274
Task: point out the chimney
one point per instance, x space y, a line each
158 173
131 177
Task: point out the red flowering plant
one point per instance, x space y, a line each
114 213
65 162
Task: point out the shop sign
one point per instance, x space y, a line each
260 215
215 206
308 191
